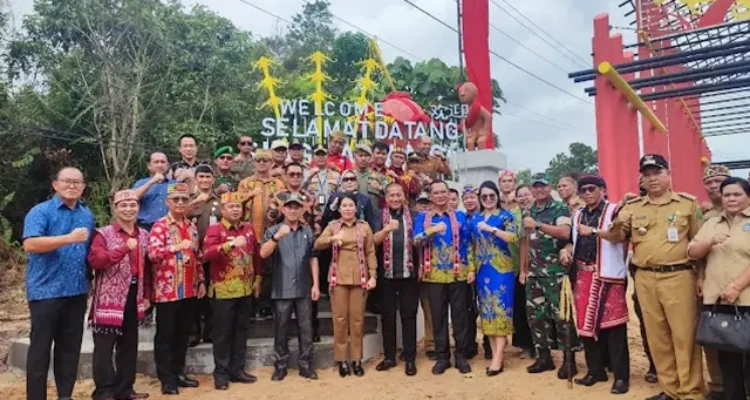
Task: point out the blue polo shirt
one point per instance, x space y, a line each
62 272
153 204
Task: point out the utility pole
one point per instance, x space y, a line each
460 40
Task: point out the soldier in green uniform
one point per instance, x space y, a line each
548 229
371 183
226 180
661 225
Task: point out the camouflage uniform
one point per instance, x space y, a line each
545 278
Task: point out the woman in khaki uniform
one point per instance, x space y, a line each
352 273
724 242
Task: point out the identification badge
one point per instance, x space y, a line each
321 200
212 220
672 235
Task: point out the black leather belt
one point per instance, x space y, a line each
668 268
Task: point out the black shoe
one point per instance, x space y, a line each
591 379
278 374
402 357
344 369
620 387
221 385
564 372
411 368
385 365
308 373
431 355
193 341
243 377
357 368
660 396
133 396
316 338
463 365
169 389
542 364
265 313
651 377
440 367
492 372
184 382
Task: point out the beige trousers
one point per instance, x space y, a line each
348 308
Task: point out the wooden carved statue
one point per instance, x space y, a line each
478 121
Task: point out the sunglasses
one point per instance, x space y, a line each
226 158
350 179
263 160
180 200
587 189
295 174
246 143
489 196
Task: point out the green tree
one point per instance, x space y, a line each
523 177
581 159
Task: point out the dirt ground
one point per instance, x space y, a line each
515 383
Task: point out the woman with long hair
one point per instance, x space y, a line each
351 275
492 230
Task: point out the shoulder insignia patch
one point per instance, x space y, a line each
686 196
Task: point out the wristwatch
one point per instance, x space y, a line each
595 231
494 230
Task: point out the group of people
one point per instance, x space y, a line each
214 245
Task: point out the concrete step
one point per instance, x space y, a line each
199 359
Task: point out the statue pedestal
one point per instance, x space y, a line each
475 167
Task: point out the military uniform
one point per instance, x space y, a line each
243 168
365 179
660 232
231 181
545 278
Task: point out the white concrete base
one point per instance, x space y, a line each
475 167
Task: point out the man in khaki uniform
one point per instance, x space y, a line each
428 167
660 226
713 176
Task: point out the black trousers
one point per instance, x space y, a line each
173 322
401 295
263 302
117 380
58 321
639 314
472 315
324 263
615 342
231 324
442 296
522 335
282 317
735 372
203 319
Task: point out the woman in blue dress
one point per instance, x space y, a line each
492 229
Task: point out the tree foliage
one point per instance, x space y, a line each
581 158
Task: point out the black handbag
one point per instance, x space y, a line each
728 332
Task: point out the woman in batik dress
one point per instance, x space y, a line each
493 230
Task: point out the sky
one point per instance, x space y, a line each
539 121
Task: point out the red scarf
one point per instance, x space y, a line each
427 248
388 245
360 255
474 110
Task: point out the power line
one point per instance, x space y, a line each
533 120
261 9
561 123
556 48
548 83
527 48
374 37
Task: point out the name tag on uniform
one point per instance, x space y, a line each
321 200
672 234
212 220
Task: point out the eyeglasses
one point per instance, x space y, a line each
74 184
294 174
489 196
246 143
263 160
587 189
180 200
226 158
350 179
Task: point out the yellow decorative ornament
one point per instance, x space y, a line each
741 10
319 96
269 83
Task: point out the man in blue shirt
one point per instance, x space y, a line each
152 191
444 235
56 237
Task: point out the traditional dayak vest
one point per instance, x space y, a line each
388 243
610 257
360 254
112 285
427 247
